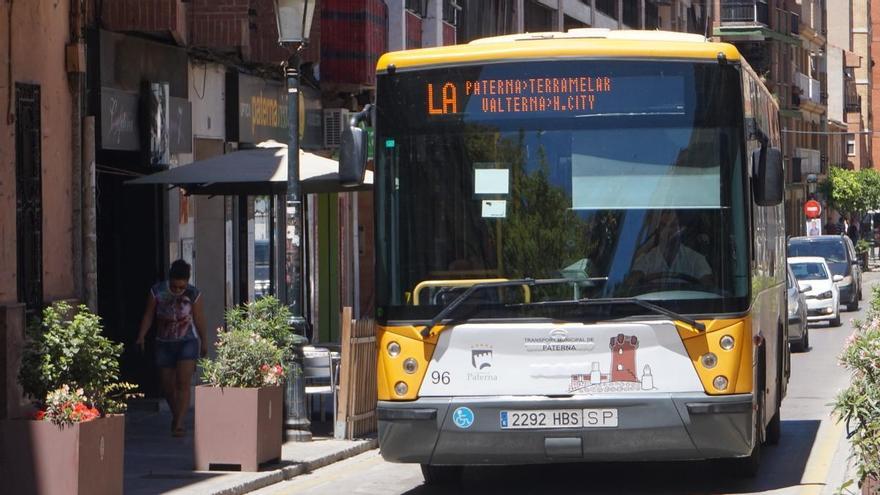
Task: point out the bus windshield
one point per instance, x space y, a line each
622 179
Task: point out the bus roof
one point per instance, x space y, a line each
588 43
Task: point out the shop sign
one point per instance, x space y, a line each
180 125
261 109
119 123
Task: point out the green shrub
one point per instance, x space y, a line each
859 404
266 317
253 349
61 350
244 359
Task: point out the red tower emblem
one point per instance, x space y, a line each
623 361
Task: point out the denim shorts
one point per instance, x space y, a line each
169 353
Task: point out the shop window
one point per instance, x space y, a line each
263 247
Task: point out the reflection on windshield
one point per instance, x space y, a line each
809 271
832 251
520 219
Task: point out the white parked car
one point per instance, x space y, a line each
820 288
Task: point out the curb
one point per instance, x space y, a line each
268 478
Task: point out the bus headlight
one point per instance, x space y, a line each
400 388
410 365
726 342
720 382
709 360
393 349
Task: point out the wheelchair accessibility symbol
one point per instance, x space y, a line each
463 417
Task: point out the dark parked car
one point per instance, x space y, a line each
840 255
798 331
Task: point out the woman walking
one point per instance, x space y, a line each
177 309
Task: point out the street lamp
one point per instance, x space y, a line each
294 18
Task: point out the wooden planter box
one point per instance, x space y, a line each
237 428
41 458
871 486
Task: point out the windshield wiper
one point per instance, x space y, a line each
637 302
647 305
464 296
446 312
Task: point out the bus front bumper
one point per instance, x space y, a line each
656 427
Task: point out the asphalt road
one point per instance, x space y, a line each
811 457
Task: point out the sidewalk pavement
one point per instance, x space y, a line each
156 462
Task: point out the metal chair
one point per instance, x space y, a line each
321 377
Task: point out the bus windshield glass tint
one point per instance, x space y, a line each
624 178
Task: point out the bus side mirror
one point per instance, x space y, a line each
353 150
352 156
768 178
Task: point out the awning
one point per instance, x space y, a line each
256 171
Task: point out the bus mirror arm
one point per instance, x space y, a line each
353 149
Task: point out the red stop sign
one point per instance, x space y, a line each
812 209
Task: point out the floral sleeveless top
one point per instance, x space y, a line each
174 313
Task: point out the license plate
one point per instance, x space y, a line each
558 418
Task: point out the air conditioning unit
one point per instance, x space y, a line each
335 119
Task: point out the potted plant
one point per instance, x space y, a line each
238 409
859 404
73 443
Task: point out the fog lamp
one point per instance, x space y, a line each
726 342
400 388
393 349
410 365
709 360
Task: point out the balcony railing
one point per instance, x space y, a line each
810 88
745 12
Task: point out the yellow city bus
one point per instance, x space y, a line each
580 252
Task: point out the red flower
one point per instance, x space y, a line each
264 368
40 415
89 414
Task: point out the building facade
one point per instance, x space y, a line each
45 183
861 123
794 48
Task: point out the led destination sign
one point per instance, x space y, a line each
541 94
513 92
